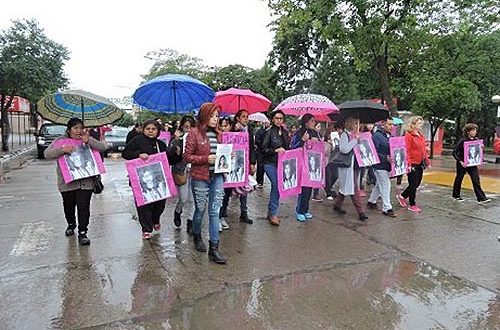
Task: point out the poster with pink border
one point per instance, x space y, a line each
365 152
151 179
235 138
165 137
313 171
289 172
399 160
83 162
473 153
238 177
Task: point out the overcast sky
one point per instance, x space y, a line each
108 39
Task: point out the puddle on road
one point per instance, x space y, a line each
389 295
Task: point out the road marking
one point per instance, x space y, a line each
34 239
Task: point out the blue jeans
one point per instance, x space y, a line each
303 200
274 199
212 193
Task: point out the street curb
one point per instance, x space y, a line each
7 161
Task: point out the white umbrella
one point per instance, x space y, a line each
258 116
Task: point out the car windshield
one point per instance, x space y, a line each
54 130
117 132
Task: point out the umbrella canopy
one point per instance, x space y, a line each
173 93
94 110
397 121
259 116
298 105
235 99
366 111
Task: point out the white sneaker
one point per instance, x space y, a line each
224 224
220 226
330 198
487 200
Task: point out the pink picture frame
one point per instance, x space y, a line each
151 179
289 169
313 169
82 163
165 137
365 152
235 138
473 153
238 177
399 159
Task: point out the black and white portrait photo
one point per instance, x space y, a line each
237 173
474 155
314 166
366 154
399 161
81 163
290 173
153 182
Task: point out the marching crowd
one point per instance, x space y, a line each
192 154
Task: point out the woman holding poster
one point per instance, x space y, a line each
305 133
349 176
77 193
207 185
275 141
469 133
141 146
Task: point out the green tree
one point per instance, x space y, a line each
125 121
171 61
31 66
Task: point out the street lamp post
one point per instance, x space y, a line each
496 99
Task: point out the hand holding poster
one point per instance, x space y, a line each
238 176
222 158
399 163
151 179
83 162
365 152
289 172
473 153
313 171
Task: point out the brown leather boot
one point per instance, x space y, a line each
273 220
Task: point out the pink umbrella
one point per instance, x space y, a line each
235 99
258 116
317 105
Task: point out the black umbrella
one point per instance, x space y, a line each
366 111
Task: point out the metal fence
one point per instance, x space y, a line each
21 130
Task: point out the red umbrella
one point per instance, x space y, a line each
235 99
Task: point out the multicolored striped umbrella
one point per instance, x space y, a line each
94 110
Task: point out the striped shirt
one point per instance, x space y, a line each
212 139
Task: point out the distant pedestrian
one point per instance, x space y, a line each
137 130
469 134
259 140
76 194
418 160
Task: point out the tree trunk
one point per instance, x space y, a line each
4 120
458 128
383 75
431 154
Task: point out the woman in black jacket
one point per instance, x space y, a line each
469 132
141 147
276 140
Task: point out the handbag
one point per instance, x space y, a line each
98 186
343 160
180 179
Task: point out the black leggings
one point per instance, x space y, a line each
79 199
149 215
414 180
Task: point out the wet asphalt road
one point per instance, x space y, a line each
435 270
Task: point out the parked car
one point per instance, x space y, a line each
48 132
116 139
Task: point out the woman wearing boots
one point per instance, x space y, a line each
76 194
240 125
179 166
305 133
141 146
469 132
207 186
418 160
349 176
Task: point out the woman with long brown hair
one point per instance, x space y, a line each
207 186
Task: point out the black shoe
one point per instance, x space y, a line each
389 213
198 243
177 219
189 227
244 218
214 253
70 231
83 239
363 217
372 206
339 210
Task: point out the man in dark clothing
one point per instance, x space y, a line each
137 130
259 139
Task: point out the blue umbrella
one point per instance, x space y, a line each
173 93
